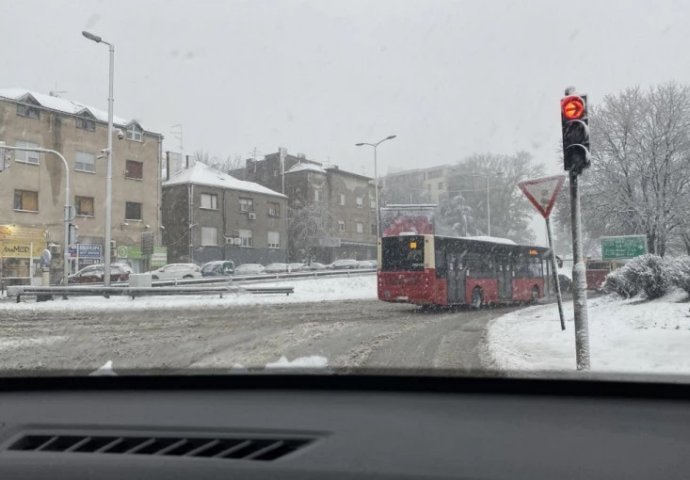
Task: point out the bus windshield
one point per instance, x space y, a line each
404 253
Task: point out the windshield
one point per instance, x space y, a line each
444 187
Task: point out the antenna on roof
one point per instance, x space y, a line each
56 93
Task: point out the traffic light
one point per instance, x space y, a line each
575 126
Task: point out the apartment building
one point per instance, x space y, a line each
32 185
347 200
422 185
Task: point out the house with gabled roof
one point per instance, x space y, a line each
209 215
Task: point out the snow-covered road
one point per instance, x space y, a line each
328 322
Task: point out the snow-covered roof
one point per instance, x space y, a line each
60 104
485 238
202 174
306 167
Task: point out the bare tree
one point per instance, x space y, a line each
230 162
510 211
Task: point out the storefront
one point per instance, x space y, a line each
141 263
20 252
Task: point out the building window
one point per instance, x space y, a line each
373 229
84 206
209 201
273 209
26 200
360 202
29 111
360 228
135 133
85 162
246 205
209 236
24 156
132 211
85 123
440 185
317 195
273 239
342 199
134 170
341 226
246 238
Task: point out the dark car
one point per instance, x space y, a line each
96 274
218 268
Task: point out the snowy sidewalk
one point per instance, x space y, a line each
360 287
625 336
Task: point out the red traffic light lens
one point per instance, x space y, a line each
573 107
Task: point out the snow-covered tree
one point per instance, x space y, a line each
467 196
306 224
639 181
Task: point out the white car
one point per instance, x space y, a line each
343 264
177 271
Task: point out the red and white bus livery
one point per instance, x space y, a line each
443 271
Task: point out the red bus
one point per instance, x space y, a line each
436 270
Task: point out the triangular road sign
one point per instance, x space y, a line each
542 192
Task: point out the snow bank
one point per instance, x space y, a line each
356 287
625 336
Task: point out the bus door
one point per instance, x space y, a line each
504 271
456 279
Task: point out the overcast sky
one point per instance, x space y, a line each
450 78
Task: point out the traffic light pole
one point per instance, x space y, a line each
579 279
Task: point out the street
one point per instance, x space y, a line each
349 333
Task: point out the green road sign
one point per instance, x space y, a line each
626 246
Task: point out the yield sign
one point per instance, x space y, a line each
542 192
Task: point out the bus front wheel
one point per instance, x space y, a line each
477 298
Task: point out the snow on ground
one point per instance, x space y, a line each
356 287
312 361
625 336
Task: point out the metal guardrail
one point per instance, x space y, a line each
239 279
316 273
19 291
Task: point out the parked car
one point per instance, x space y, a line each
366 264
315 266
176 271
276 267
125 266
218 268
249 269
296 267
96 274
343 264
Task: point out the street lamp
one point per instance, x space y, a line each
376 179
68 208
109 165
